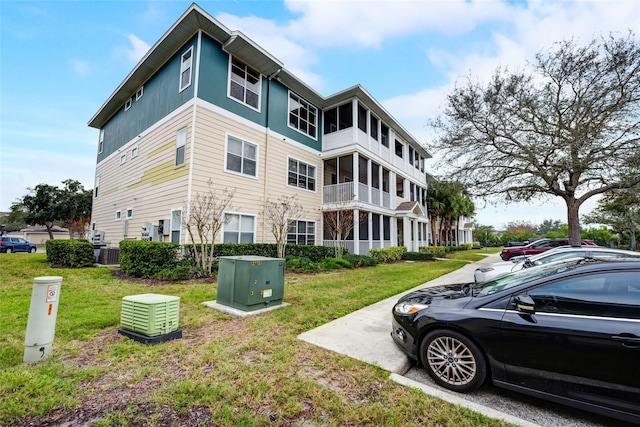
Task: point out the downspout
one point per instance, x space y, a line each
266 151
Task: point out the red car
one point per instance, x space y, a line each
537 247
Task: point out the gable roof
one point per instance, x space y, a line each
239 45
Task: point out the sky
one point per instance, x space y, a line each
60 61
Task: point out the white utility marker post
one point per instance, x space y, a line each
41 325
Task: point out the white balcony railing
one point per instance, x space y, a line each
338 193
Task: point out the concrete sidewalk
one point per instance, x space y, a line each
366 335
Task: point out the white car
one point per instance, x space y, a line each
491 271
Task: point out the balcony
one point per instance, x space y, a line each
346 192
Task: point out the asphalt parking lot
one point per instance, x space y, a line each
536 411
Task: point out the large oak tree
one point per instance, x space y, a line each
565 126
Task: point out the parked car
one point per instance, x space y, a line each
16 244
537 247
567 332
491 271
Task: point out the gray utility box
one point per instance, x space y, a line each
250 283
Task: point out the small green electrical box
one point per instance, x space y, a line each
150 314
250 283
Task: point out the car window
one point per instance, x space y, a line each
608 294
563 255
614 254
542 245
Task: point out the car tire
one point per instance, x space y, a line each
453 360
33 250
9 250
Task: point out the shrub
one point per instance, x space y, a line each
335 263
476 245
73 253
418 256
314 253
145 259
360 260
388 254
436 251
301 265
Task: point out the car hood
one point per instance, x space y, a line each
461 293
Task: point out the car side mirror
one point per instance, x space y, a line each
525 304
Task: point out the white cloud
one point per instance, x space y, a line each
370 23
81 67
25 167
137 49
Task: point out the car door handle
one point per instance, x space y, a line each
628 340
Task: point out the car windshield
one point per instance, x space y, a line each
513 279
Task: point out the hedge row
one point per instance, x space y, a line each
140 258
314 253
388 254
72 253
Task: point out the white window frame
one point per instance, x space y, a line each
242 81
186 65
134 152
95 191
306 105
129 213
306 221
139 93
123 158
242 157
181 143
127 104
297 172
240 215
119 215
101 141
176 226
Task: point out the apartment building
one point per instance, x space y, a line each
206 106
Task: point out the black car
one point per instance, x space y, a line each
16 244
568 332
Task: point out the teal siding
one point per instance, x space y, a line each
161 97
214 69
279 117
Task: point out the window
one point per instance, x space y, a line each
301 233
338 118
302 175
101 141
399 148
384 135
238 228
185 69
134 152
302 115
123 158
176 221
181 139
127 104
242 156
608 294
129 213
139 92
362 118
373 127
416 159
118 215
244 84
95 192
410 155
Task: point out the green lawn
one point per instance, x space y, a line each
474 254
224 371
